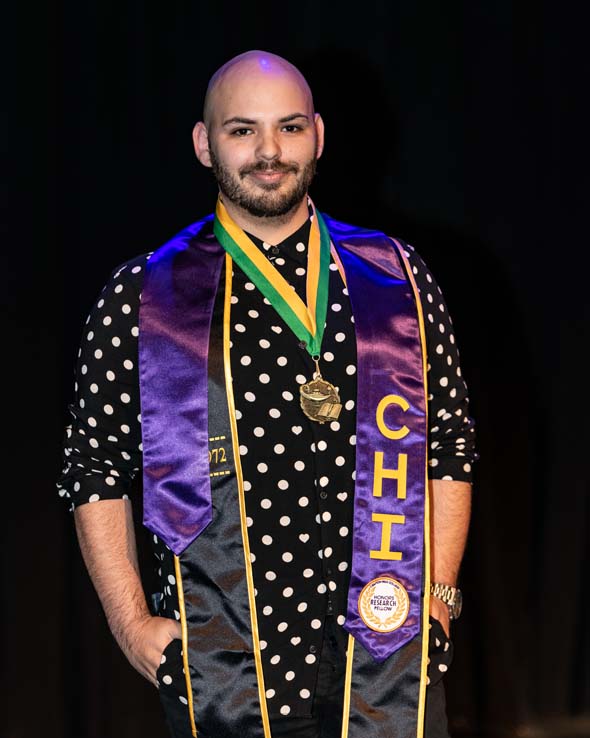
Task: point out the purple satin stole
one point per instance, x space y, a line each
175 316
390 483
174 321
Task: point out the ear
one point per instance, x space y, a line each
201 144
319 127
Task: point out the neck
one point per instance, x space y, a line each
270 230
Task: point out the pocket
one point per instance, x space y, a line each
440 652
170 663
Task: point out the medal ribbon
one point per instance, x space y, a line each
305 320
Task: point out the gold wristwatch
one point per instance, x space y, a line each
451 596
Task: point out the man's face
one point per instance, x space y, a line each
263 141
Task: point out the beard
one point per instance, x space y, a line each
264 200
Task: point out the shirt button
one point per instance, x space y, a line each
329 572
302 344
324 494
312 649
274 250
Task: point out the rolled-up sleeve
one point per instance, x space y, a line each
102 446
451 429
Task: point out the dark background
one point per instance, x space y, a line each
459 126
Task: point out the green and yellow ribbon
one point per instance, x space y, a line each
305 320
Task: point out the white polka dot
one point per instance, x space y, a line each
343 566
326 516
258 432
275 659
271 576
94 498
94 388
302 607
307 573
245 361
116 341
287 395
300 379
303 501
300 247
263 645
249 396
243 450
443 381
282 361
285 710
324 481
352 440
274 413
442 667
263 343
167 679
287 557
267 540
264 378
289 676
128 364
276 329
340 337
351 369
322 445
125 398
282 627
279 448
336 307
321 588
285 520
340 619
288 592
269 694
310 659
467 467
343 531
265 504
240 327
349 405
328 356
283 484
262 467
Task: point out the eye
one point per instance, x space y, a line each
239 132
292 128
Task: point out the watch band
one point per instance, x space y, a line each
450 595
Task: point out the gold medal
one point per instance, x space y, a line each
319 399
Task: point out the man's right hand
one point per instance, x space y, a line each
146 641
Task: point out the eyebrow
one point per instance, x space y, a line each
251 122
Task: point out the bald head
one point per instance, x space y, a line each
250 71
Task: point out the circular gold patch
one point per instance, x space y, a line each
384 604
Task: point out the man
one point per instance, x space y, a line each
280 361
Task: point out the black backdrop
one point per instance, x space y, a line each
457 126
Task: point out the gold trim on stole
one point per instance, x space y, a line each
426 603
240 481
187 675
347 687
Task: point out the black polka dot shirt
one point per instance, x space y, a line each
298 474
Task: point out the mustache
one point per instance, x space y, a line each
261 166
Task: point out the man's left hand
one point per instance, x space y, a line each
439 611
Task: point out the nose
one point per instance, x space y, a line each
268 146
